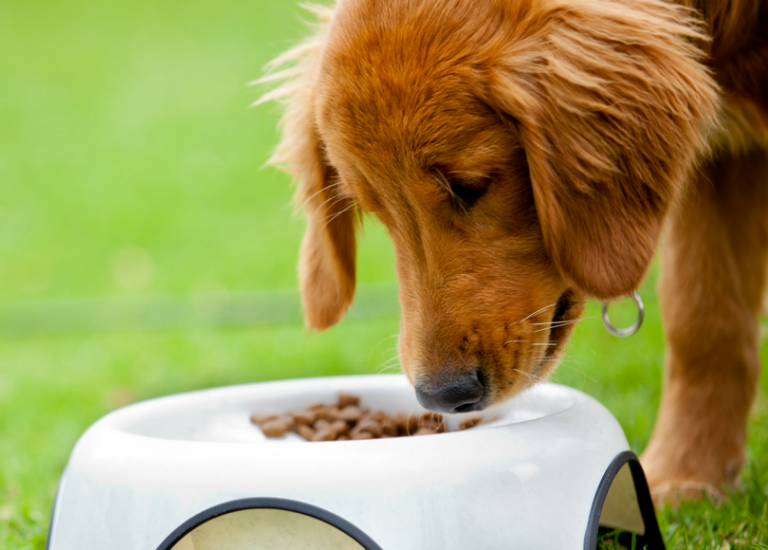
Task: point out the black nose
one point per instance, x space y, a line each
452 393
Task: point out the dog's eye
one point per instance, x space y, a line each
469 190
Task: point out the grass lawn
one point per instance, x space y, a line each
129 168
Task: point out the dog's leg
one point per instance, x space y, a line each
713 276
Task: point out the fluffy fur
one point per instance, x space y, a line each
525 155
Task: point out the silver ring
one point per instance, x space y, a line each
624 332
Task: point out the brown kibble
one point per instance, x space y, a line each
471 422
412 423
351 413
275 428
331 414
371 426
326 434
407 423
306 432
346 399
349 420
432 420
378 416
304 417
261 418
389 428
340 427
288 419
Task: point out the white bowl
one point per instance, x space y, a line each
190 472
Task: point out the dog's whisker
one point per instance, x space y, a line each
379 342
394 359
332 200
530 376
533 314
376 345
339 213
382 370
546 344
568 321
388 350
548 328
580 371
313 195
562 323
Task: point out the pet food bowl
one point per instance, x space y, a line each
190 472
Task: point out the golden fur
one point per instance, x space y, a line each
525 155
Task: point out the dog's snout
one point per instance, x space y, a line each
452 393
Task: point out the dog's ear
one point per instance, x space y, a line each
613 105
327 263
327 258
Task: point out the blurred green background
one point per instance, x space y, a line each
143 250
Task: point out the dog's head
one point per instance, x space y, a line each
522 155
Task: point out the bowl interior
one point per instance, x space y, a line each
222 415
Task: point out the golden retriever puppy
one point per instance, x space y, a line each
524 156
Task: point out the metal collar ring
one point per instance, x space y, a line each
629 331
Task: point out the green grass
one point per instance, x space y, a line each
129 166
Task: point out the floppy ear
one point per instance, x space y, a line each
327 263
327 258
613 105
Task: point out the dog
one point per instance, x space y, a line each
527 155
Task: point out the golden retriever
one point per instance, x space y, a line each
525 155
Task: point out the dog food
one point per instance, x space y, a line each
348 420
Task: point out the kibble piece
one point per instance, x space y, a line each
304 417
434 421
413 423
346 399
331 414
360 435
275 428
306 432
379 416
351 413
342 438
407 423
371 426
389 428
321 424
340 427
261 418
471 422
430 418
326 434
424 431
